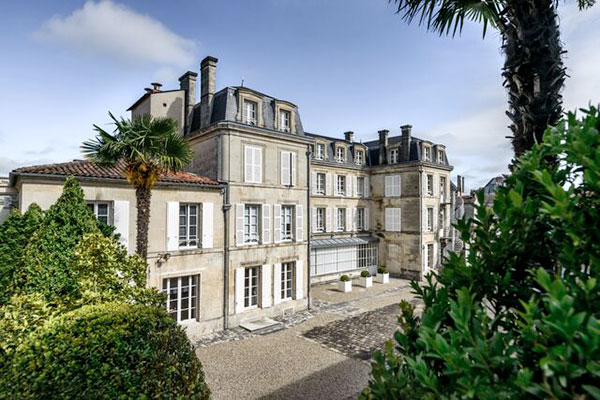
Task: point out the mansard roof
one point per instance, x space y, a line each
87 169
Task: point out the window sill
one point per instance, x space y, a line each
189 248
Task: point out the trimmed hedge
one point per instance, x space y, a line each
111 350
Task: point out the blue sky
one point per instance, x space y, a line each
348 65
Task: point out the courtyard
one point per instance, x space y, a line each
322 353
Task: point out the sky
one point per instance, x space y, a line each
348 65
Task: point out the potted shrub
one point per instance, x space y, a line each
382 275
345 284
366 280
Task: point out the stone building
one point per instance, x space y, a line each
266 209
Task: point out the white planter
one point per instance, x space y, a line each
383 278
345 286
366 282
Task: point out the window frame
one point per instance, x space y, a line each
426 153
429 188
188 225
287 236
193 300
429 219
254 166
248 296
360 186
287 282
394 154
340 154
245 114
93 206
282 126
320 188
360 157
360 219
337 185
248 234
340 212
320 151
320 227
440 156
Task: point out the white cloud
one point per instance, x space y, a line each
108 29
8 164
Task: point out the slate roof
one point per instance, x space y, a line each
86 169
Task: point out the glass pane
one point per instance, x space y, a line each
184 315
103 209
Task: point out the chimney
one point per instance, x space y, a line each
406 138
208 83
459 184
187 83
349 136
156 86
383 143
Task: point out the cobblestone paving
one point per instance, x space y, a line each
358 336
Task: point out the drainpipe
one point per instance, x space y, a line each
421 218
226 208
309 213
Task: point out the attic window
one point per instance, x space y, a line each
340 154
284 120
360 157
320 153
426 153
393 156
250 112
440 156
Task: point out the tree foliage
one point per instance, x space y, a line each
518 318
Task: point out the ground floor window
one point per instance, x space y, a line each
287 272
182 297
251 287
331 260
101 210
429 256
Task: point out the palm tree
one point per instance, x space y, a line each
533 70
148 147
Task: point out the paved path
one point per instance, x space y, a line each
321 353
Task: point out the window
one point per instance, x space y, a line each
392 186
320 183
340 154
360 219
393 156
426 153
440 156
251 287
360 186
430 185
392 219
320 220
360 157
287 214
320 153
430 219
287 270
442 188
341 185
442 223
182 297
250 108
253 167
251 224
188 225
284 120
429 256
101 210
341 219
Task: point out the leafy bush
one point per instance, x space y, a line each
381 270
106 351
15 234
365 274
519 317
344 278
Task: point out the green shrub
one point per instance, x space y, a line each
519 318
381 270
106 351
344 278
15 233
365 274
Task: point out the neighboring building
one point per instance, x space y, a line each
283 208
8 197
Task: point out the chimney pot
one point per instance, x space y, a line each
383 137
156 86
349 136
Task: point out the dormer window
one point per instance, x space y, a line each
320 152
340 154
393 156
360 157
284 120
250 108
440 156
426 153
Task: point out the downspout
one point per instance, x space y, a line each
226 208
421 219
309 213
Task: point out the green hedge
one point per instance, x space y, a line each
112 351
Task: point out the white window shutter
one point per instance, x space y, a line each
434 223
299 280
172 225
207 225
299 224
388 219
248 170
265 276
313 178
388 185
349 186
355 185
239 224
329 219
239 290
367 186
328 185
121 221
313 218
348 219
266 223
399 211
277 283
366 218
276 223
258 164
293 169
285 168
435 254
398 185
354 219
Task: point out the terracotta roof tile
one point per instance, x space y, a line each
86 169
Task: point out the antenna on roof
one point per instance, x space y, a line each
242 82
